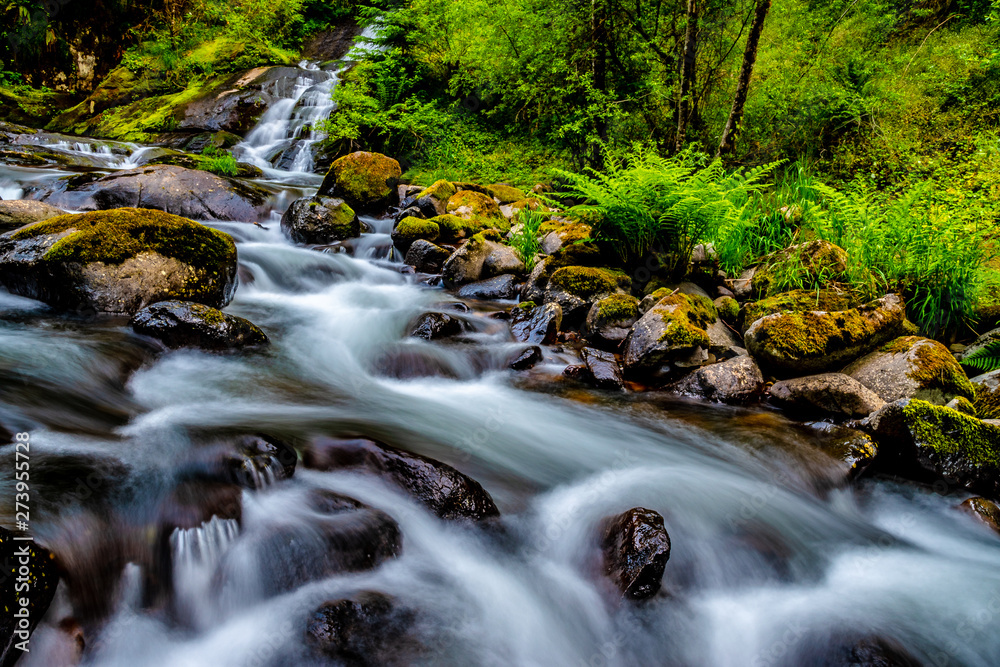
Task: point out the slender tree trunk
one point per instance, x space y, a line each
728 141
599 35
687 72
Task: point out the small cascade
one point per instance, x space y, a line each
196 553
9 189
283 139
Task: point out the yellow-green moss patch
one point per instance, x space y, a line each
585 281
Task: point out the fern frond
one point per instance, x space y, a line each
986 358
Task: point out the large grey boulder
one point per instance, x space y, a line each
833 394
912 367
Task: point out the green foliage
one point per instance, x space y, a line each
218 162
986 359
646 203
525 240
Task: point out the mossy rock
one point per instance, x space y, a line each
441 190
453 228
987 387
728 309
562 233
504 193
797 344
366 181
410 229
912 367
611 318
320 220
21 212
477 206
672 336
185 324
919 439
586 281
795 301
119 261
815 261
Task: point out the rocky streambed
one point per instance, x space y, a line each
306 420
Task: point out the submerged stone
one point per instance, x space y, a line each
636 548
187 324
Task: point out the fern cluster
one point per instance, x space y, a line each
986 358
646 203
524 241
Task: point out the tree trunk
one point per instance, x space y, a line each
687 72
728 141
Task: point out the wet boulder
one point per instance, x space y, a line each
426 257
504 193
411 229
922 440
793 344
833 394
912 367
735 381
987 387
437 195
501 260
368 629
191 193
472 205
119 261
577 288
453 229
610 319
492 289
530 323
795 301
527 358
320 220
24 563
257 461
670 337
985 510
366 181
468 263
636 548
854 450
814 260
188 324
602 369
442 489
20 212
434 326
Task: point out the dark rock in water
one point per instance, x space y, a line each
190 193
119 261
186 324
868 652
194 501
526 359
444 490
829 393
985 510
367 630
21 212
735 381
855 450
366 181
610 319
603 368
536 324
320 220
406 362
23 562
672 336
491 289
433 326
636 548
259 461
918 439
426 257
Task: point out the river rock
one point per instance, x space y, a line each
442 489
492 289
832 394
20 212
735 381
500 260
815 260
530 323
917 438
985 510
795 301
434 326
190 193
188 324
320 221
603 369
118 261
426 257
365 630
528 358
42 578
437 195
853 449
987 387
257 461
793 344
366 181
576 288
636 548
411 229
610 319
912 367
467 263
472 205
671 336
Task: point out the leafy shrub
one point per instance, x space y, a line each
525 239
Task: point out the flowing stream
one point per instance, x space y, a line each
775 560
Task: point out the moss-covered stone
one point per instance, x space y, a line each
796 301
585 281
505 193
672 332
441 190
913 367
728 309
320 220
987 387
812 262
470 205
686 318
410 229
796 344
963 405
366 181
186 324
453 228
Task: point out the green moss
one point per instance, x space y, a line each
797 301
365 177
987 402
441 190
932 366
532 204
806 264
950 433
410 229
454 228
728 308
585 281
117 235
570 232
965 406
507 194
526 305
471 205
686 318
811 334
618 308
